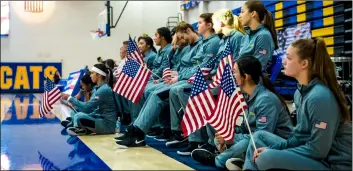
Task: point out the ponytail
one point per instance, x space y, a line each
321 67
227 17
270 24
265 17
237 24
267 84
324 69
154 49
109 78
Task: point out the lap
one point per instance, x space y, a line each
93 117
266 139
164 91
284 159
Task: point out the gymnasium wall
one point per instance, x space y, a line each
61 32
191 15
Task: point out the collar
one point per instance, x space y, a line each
306 88
230 35
259 88
249 32
209 37
148 53
165 48
98 86
196 42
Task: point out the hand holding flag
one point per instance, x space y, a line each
200 105
132 80
133 51
51 95
230 104
226 57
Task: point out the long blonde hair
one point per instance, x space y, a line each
226 16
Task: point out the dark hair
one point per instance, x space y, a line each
165 32
125 42
86 79
172 32
56 77
252 66
321 67
265 16
110 63
108 71
207 17
183 26
148 41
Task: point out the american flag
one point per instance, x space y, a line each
133 51
116 72
51 96
226 56
205 69
230 104
200 105
167 72
46 163
132 80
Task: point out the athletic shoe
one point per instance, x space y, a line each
235 164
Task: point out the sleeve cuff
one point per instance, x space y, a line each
68 99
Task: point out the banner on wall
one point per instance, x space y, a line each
26 77
290 34
188 4
72 84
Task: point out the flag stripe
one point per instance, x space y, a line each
230 103
50 96
132 81
199 107
140 78
137 96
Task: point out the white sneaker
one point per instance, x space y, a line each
234 164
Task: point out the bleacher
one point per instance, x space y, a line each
331 20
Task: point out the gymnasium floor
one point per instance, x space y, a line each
32 143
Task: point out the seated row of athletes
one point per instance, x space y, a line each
320 140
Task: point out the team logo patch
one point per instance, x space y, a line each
263 119
96 97
264 52
210 55
321 125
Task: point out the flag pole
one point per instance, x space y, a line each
246 119
181 108
146 68
142 64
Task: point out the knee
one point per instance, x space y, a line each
78 115
265 159
153 96
259 134
173 92
180 90
146 93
